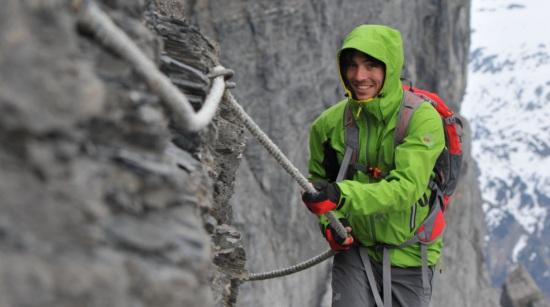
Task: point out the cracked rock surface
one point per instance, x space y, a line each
104 203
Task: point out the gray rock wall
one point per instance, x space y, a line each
521 290
104 204
98 206
283 53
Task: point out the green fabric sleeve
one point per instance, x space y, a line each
316 140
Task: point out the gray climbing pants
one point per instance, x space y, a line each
350 287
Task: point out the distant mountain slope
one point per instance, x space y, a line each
508 104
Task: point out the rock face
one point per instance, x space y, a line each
98 206
283 53
520 290
103 203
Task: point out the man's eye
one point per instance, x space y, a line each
372 65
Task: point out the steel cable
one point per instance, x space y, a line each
280 157
183 116
290 270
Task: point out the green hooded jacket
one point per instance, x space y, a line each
388 210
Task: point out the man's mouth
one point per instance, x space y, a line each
363 87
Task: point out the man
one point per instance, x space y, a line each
381 198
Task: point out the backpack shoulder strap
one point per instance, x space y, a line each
409 104
352 143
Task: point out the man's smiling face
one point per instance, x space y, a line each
365 76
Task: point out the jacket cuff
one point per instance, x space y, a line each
342 202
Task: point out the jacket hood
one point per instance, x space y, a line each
383 43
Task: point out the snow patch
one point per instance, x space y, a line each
508 104
522 243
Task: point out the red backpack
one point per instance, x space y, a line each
448 165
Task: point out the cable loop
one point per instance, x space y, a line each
226 73
176 104
221 71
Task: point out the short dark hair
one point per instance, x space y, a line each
347 55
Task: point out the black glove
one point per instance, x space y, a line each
336 242
325 200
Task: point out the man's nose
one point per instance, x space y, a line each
361 73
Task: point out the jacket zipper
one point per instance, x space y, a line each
412 220
371 217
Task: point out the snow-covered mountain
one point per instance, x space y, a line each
508 105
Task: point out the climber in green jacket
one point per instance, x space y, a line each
379 202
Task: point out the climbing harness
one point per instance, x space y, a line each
93 19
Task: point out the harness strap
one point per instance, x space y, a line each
386 275
424 254
352 144
345 163
363 252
